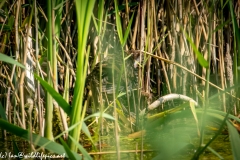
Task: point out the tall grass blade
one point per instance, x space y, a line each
234 139
200 57
100 15
84 11
215 152
100 114
37 140
59 99
221 118
118 22
127 31
86 131
236 48
82 150
10 60
67 149
2 112
193 109
16 150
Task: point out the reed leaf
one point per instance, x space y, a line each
37 140
10 60
67 149
200 58
236 47
118 22
58 98
84 12
126 34
82 150
2 112
234 140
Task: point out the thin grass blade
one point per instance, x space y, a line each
37 140
127 31
67 149
118 22
8 59
234 139
58 98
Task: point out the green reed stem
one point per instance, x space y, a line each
84 12
49 100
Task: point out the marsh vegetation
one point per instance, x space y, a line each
120 79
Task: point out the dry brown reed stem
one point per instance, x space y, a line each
8 105
142 40
175 50
114 152
142 44
42 12
200 19
8 98
2 48
22 77
221 64
68 9
156 37
19 120
38 70
180 45
11 85
149 42
135 29
8 111
184 68
68 58
214 45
